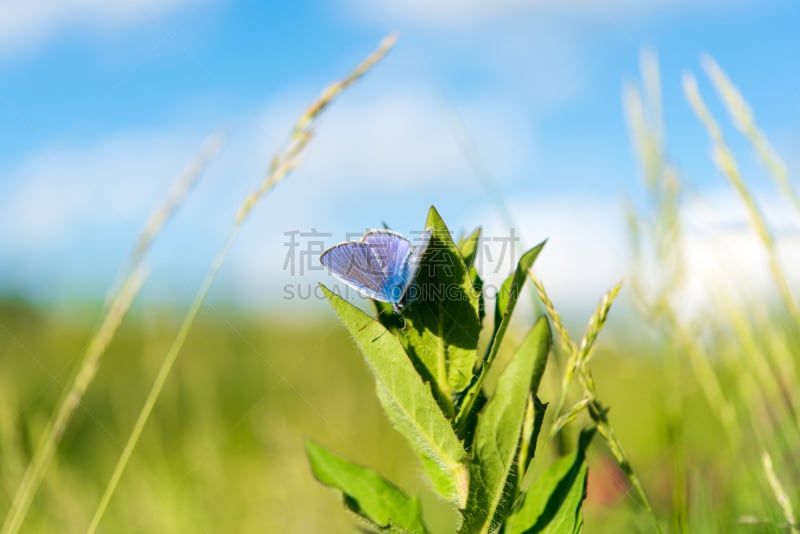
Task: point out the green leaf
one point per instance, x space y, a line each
366 493
497 436
408 402
468 246
467 432
507 299
442 325
504 307
477 285
531 427
553 504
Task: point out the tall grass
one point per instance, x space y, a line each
133 276
577 367
282 165
743 355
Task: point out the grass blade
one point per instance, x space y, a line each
725 161
282 165
133 276
52 435
177 194
743 118
778 491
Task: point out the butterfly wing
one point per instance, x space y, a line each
357 265
394 251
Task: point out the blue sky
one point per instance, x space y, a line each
102 103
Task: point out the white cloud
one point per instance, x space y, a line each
380 157
407 138
724 253
67 189
386 156
588 249
587 253
26 23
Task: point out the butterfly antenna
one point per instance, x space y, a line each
380 336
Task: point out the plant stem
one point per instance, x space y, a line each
600 419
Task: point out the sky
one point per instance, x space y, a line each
104 102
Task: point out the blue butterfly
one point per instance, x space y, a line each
381 266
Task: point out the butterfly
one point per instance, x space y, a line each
381 266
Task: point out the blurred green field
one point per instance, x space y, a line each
223 450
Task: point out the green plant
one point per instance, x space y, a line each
474 448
